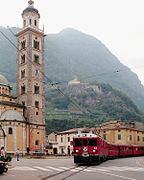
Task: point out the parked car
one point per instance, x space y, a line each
37 154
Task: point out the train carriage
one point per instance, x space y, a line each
113 151
125 150
89 148
138 150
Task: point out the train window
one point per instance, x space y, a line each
77 142
92 142
85 142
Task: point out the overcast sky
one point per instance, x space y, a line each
119 24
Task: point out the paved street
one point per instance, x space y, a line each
63 168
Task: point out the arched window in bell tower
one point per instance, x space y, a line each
37 104
22 73
36 89
30 21
23 59
24 22
36 44
23 44
35 22
10 130
36 58
23 89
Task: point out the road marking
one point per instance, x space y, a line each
53 168
23 168
88 170
77 169
99 169
74 170
65 168
134 169
41 168
80 168
114 168
124 168
116 175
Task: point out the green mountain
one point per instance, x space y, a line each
87 104
71 53
8 53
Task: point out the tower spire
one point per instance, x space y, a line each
31 2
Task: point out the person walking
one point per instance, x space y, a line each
17 154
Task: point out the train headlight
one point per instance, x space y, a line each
76 150
94 150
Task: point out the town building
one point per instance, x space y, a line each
22 118
122 132
51 143
75 81
62 142
12 122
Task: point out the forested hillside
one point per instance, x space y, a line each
88 105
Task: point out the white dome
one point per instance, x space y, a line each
3 80
12 115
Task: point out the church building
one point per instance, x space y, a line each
22 118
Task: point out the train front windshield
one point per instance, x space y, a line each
85 142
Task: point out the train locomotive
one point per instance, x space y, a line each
90 148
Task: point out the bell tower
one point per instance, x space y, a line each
30 76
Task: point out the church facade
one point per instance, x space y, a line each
22 118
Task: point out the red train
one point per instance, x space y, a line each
91 148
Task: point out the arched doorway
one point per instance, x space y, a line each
55 150
2 137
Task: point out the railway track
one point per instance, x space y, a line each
72 171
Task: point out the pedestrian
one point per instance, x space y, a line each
17 154
68 150
2 153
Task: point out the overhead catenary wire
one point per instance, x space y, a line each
89 77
